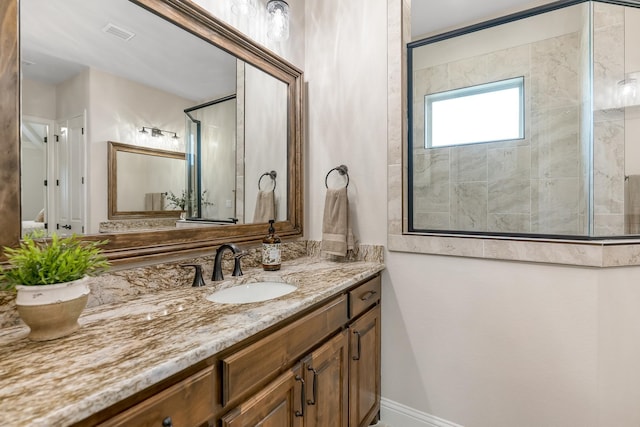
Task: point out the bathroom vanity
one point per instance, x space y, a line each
311 357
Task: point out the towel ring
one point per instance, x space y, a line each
272 175
342 170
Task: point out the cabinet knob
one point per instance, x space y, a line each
167 422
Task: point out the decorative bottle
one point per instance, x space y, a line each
271 252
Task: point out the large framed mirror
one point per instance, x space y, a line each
144 104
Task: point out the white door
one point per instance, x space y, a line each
35 171
70 172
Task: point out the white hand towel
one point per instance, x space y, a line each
337 235
265 206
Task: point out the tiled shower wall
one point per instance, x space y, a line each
538 184
608 119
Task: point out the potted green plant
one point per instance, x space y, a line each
51 279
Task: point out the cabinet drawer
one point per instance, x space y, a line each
246 369
189 403
364 296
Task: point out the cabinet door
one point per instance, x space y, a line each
326 377
364 369
279 404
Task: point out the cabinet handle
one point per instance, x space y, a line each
357 357
167 422
367 296
300 413
314 386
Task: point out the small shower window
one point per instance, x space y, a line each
484 113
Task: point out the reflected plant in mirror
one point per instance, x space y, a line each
186 200
503 138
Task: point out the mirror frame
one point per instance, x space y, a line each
113 148
125 248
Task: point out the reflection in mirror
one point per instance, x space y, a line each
265 140
546 183
211 133
159 182
92 101
104 70
35 135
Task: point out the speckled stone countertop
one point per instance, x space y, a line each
124 348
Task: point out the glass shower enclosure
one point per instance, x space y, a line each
211 161
570 166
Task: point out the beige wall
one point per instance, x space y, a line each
493 343
346 76
38 99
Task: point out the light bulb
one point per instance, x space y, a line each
278 20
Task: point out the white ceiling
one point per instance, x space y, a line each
432 16
61 37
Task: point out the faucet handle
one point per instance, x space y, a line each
198 280
237 270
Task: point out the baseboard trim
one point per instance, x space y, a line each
395 414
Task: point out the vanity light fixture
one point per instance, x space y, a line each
277 20
155 132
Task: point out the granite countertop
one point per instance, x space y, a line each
124 348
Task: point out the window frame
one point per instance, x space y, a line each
483 88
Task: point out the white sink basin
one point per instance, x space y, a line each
251 292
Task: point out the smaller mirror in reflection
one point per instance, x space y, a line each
146 182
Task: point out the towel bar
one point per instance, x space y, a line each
342 170
272 175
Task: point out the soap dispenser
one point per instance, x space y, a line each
271 253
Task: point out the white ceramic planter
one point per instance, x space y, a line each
49 294
52 311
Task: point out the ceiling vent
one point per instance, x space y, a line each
119 32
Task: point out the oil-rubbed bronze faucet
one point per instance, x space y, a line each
217 264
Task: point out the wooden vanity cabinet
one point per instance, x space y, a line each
320 369
338 381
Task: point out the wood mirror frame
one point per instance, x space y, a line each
152 245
